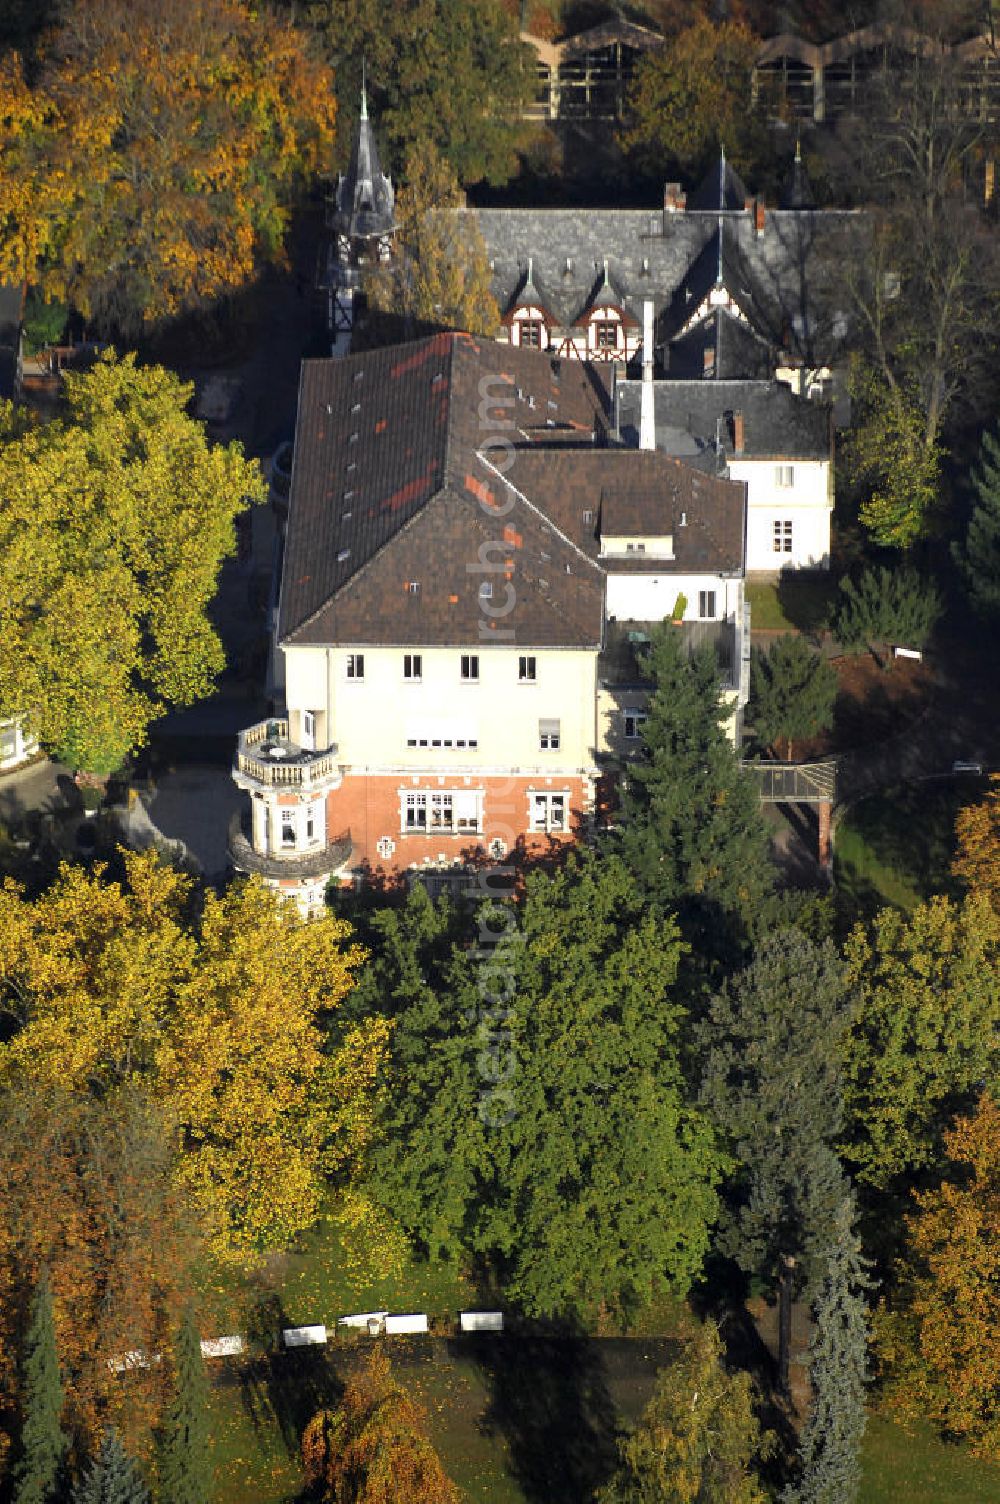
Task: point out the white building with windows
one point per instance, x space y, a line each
470 570
758 432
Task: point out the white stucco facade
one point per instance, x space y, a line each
789 511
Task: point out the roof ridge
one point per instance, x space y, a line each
536 509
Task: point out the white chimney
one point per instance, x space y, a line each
647 418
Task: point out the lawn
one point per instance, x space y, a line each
897 848
916 1467
796 602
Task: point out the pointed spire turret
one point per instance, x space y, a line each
364 203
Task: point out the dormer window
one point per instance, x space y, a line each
530 333
607 336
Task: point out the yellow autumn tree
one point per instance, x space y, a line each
938 1344
977 836
152 165
116 519
440 273
227 1017
374 1448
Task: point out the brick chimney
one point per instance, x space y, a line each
759 216
739 433
674 198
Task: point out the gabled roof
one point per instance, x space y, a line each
720 348
655 491
415 465
392 484
605 295
529 294
719 264
720 191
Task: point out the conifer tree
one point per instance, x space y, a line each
691 830
112 1477
979 558
838 1372
185 1472
43 1444
792 691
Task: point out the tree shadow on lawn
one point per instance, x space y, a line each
549 1399
286 1388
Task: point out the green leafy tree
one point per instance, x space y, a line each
440 273
692 96
924 1033
771 1047
185 1468
112 1477
38 1475
885 606
438 72
698 1437
979 557
117 519
891 460
535 1113
830 1447
691 830
792 692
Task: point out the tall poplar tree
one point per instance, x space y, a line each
838 1372
185 1469
43 1444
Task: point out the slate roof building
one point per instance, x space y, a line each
758 432
739 290
470 560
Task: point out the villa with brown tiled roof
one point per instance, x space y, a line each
469 555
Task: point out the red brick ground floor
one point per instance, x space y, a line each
404 820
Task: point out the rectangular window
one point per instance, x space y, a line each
531 333
548 736
412 667
355 665
607 336
782 537
413 587
450 813
526 670
634 722
486 591
548 812
312 824
706 605
784 476
635 548
308 730
288 828
470 667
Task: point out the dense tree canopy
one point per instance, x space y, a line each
938 1344
116 518
535 1114
771 1047
443 73
977 837
223 1016
978 558
925 1033
692 97
150 165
